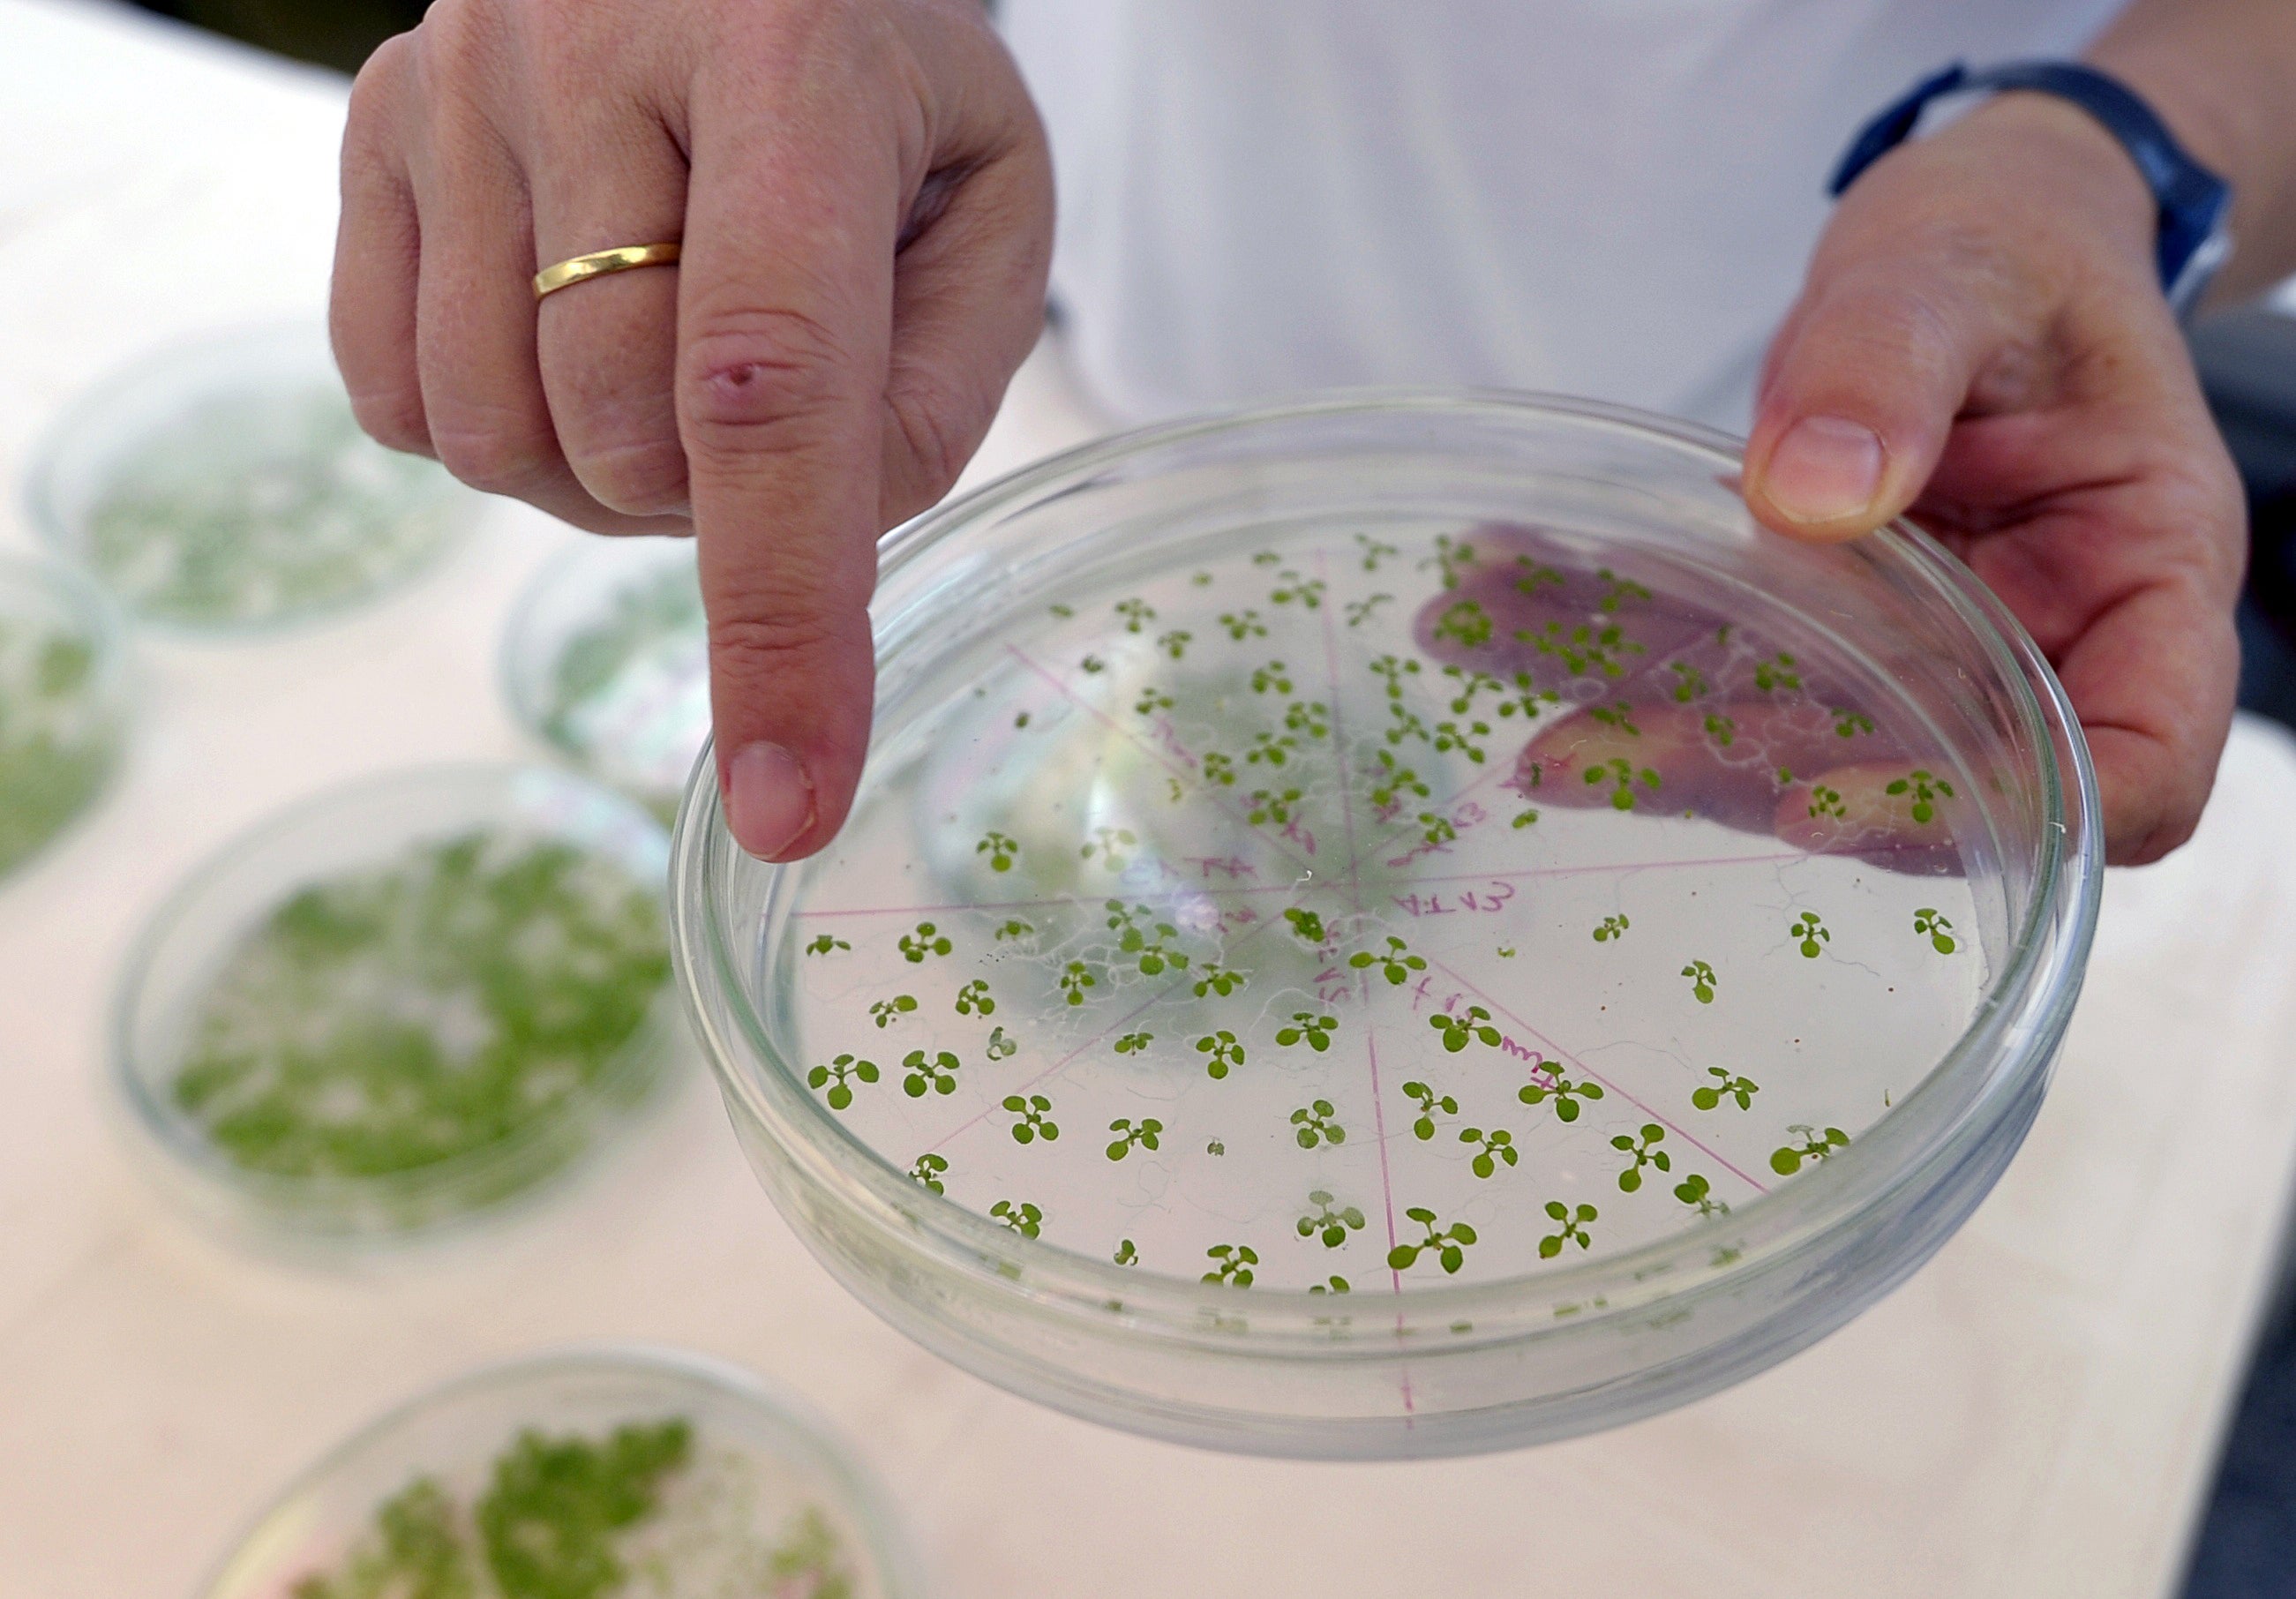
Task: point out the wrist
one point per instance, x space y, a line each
2042 147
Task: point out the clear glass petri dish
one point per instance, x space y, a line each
63 703
1401 925
618 1469
606 660
223 485
400 1007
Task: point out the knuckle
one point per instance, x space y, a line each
393 417
639 477
763 369
937 431
781 635
496 454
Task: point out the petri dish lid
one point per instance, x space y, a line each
737 1488
1434 849
222 485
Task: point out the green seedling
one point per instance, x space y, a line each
1076 977
1777 672
1436 829
886 1012
1222 1051
973 1000
1393 671
1109 843
1307 926
1136 614
1810 933
1394 779
1274 749
936 1073
1506 952
1275 676
1025 1219
1620 716
1849 724
1151 699
1062 611
1002 1045
1127 1254
1571 1228
1465 623
1396 962
1726 1085
1265 558
823 944
1621 774
1214 1148
1696 1192
1612 929
1309 1029
1333 1284
1469 683
1448 1245
1497 1149
1093 664
1150 945
1524 818
1232 1263
1292 588
1451 557
1360 611
1690 683
1219 768
1374 551
1032 1112
1925 790
926 941
1583 650
1019 720
1617 590
1176 642
1644 1151
1272 805
1134 1044
929 1169
1014 929
1242 624
1459 1031
1408 724
1563 1091
1825 801
839 1076
1453 735
1812 1145
1330 1222
1312 1124
1723 730
1311 716
1939 931
1702 981
1144 1135
1430 1104
1213 978
1000 850
1535 576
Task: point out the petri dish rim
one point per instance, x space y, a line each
2010 1040
649 1051
77 595
862 1495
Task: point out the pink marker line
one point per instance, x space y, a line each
1080 901
1159 757
1563 1054
1656 865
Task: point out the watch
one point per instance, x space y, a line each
2194 204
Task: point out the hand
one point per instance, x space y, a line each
864 201
1982 341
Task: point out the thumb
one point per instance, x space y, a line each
1860 392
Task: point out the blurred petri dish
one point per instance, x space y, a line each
222 485
641 1472
607 660
63 703
402 1005
1402 925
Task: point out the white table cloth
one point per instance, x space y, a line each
2036 1413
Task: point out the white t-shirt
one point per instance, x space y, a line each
1611 198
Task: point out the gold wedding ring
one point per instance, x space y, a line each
600 262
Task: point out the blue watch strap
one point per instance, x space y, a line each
2193 203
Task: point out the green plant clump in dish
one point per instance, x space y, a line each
639 1511
263 506
57 741
628 695
384 1022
